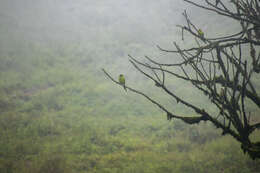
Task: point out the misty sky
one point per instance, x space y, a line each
87 20
104 31
76 19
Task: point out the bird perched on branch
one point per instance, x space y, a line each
201 33
121 80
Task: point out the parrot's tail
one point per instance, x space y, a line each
125 88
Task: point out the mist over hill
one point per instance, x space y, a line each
58 111
97 34
103 24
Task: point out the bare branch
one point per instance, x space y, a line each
218 69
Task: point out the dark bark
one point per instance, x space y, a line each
223 72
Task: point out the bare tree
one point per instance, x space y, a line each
221 68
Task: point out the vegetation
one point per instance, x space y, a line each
222 68
59 114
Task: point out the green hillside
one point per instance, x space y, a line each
60 114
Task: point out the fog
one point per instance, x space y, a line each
107 30
60 113
98 23
100 32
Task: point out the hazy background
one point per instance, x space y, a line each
94 35
58 111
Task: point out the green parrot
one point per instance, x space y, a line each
121 80
201 33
